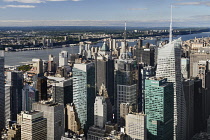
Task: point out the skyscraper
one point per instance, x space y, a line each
84 92
124 110
185 67
145 72
62 89
109 111
2 91
41 86
199 113
72 121
188 86
136 126
33 125
147 56
169 66
7 104
63 58
100 112
54 113
14 80
38 65
51 65
159 108
125 82
28 97
125 75
105 71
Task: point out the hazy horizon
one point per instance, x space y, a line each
151 13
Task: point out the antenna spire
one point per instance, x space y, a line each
124 45
170 34
125 32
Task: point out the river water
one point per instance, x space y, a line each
15 58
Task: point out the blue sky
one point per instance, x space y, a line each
141 13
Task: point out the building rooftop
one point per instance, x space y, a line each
49 103
30 112
156 78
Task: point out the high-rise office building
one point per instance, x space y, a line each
54 113
145 54
63 58
138 49
125 108
37 66
41 85
112 44
62 89
28 97
199 113
159 108
7 104
14 80
185 67
195 58
189 98
105 71
51 65
100 111
72 122
2 91
202 71
125 81
102 114
33 125
148 56
169 66
103 92
144 73
84 92
136 126
125 75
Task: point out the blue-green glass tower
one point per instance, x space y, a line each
159 108
84 92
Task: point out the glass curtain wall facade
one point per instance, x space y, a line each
159 108
169 66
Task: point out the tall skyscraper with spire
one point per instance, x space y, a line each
169 66
125 78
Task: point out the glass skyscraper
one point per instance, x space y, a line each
84 92
169 66
159 108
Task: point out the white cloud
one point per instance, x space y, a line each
193 3
56 0
188 3
18 6
76 0
35 1
25 1
134 9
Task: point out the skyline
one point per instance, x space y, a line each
137 13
